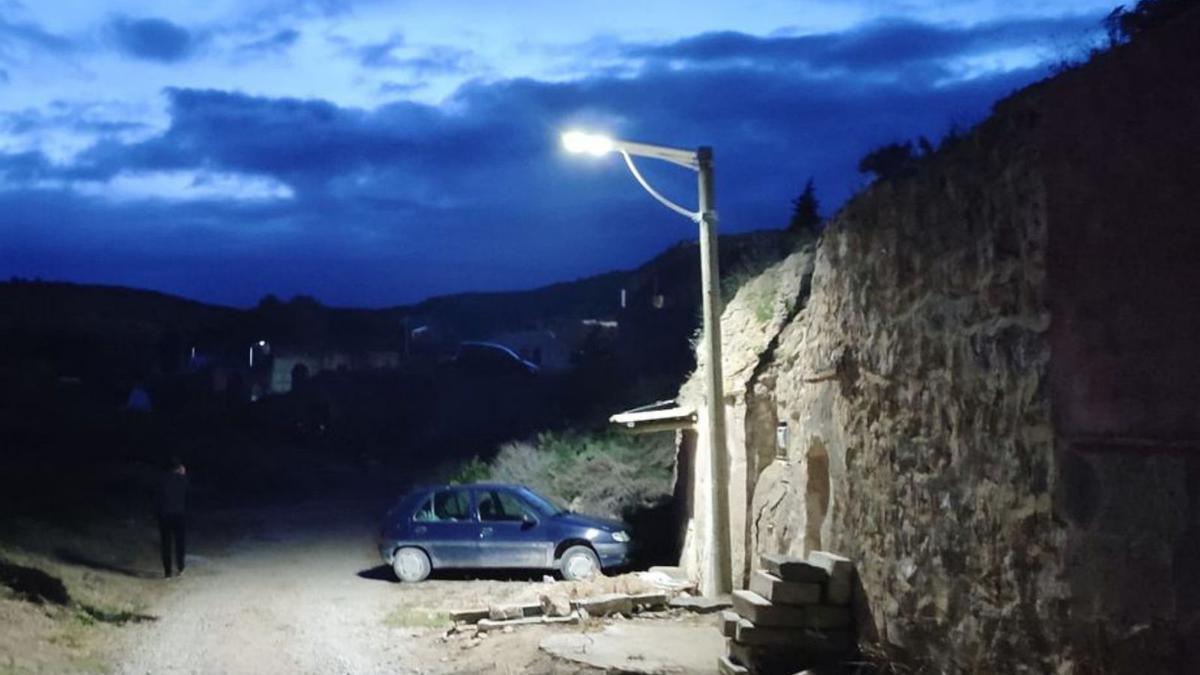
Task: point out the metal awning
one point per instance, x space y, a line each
659 416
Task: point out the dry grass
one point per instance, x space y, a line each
106 570
417 617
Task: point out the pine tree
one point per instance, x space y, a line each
806 211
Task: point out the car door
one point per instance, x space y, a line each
510 531
445 524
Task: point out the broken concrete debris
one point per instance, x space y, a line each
554 605
505 612
559 609
795 615
485 625
700 604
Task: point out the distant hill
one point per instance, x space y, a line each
68 327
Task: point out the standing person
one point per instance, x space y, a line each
172 510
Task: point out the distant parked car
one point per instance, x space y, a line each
492 525
489 359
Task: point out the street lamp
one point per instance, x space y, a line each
720 574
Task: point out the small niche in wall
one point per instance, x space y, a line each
816 494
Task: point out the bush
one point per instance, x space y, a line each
604 474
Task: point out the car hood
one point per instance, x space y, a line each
580 520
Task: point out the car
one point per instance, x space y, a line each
488 359
496 525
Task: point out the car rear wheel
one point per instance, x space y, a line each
411 564
579 562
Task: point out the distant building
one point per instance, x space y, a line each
288 368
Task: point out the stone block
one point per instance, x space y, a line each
790 568
729 621
807 639
762 660
725 666
783 592
761 612
840 589
605 605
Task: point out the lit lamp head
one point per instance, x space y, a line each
584 143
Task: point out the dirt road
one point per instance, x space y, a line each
300 589
285 596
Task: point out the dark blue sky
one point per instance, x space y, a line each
374 153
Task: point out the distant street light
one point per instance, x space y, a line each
720 574
261 345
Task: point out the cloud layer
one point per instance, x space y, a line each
238 195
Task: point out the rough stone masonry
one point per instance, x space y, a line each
989 374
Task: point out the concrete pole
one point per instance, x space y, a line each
720 566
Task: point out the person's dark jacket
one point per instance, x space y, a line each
172 495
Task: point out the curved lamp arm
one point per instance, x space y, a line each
694 216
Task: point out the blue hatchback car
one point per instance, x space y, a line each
498 526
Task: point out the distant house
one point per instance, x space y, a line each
289 368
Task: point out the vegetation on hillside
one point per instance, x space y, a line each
1124 25
600 473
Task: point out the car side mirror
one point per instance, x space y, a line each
527 521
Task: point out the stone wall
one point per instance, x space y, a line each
1011 464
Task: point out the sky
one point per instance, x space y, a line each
377 152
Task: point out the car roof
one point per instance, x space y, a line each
446 486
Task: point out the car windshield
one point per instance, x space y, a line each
546 506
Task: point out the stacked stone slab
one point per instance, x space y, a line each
795 615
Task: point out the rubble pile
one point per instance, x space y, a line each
572 602
795 615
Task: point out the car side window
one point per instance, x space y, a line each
497 505
425 513
452 505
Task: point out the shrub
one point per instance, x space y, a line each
605 474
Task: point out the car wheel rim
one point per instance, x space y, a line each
580 567
411 564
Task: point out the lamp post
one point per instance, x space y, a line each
720 569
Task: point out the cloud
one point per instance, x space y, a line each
439 60
383 205
420 61
185 186
17 37
380 54
891 47
152 39
276 43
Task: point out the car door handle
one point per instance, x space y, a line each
420 529
484 531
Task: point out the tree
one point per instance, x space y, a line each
806 211
893 160
1123 25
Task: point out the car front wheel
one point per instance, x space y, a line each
579 562
411 564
